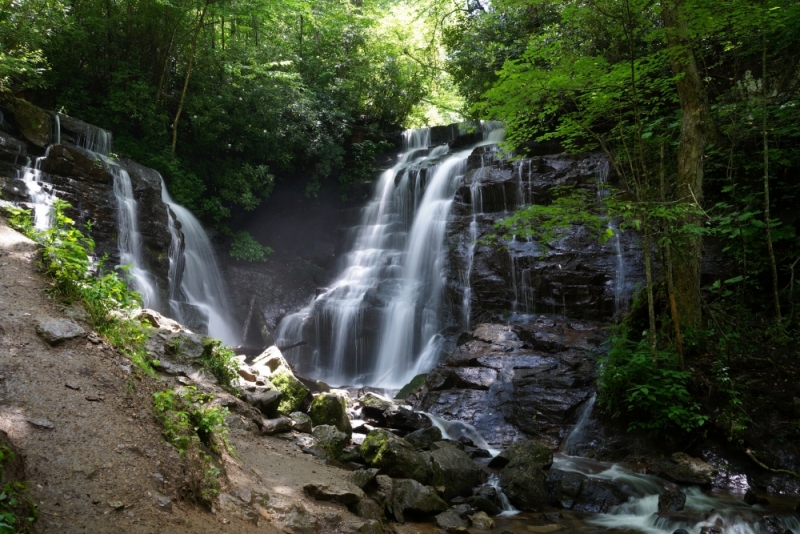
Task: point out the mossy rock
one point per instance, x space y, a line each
330 409
416 383
295 395
35 123
394 456
330 439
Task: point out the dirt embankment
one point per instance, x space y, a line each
95 460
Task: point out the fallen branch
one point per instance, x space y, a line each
293 346
752 456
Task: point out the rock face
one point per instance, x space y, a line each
687 470
512 381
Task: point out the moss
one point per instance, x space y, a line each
294 392
331 410
411 387
373 446
35 123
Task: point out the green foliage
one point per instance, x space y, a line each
546 222
294 393
652 393
193 426
17 511
245 247
221 361
362 165
106 297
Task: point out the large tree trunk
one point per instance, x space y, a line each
691 152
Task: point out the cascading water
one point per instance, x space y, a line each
194 278
621 291
576 438
41 194
397 261
476 197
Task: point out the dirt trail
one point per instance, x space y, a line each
84 425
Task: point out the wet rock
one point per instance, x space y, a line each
485 499
363 477
682 468
301 422
450 518
346 494
330 439
681 531
56 331
711 530
412 500
404 418
416 383
481 521
751 498
524 485
424 437
527 452
548 400
35 123
574 491
454 470
394 456
476 452
330 409
276 426
671 501
772 524
381 491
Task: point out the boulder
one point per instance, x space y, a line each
416 383
366 508
424 437
481 521
301 422
404 418
412 500
529 452
346 494
295 396
363 477
486 500
373 405
671 501
684 469
56 331
454 470
265 398
394 456
330 409
451 518
276 426
578 492
751 498
330 439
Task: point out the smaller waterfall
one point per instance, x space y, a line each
577 437
200 285
621 292
476 197
41 194
456 429
601 179
507 509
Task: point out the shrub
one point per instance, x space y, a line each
221 361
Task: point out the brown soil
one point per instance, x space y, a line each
105 445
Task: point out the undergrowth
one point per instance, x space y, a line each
221 361
199 433
67 257
17 511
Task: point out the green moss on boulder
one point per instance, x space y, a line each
416 383
295 394
394 456
330 409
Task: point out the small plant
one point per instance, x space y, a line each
221 361
17 511
195 428
246 248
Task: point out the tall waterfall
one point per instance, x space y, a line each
380 320
198 283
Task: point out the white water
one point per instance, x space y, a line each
456 429
201 285
41 194
578 434
398 257
507 509
621 292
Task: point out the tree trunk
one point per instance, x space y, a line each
772 263
192 49
691 153
651 311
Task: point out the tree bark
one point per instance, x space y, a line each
695 124
772 263
192 49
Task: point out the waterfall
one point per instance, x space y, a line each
577 437
379 322
455 429
621 292
41 194
507 509
476 198
129 240
199 283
